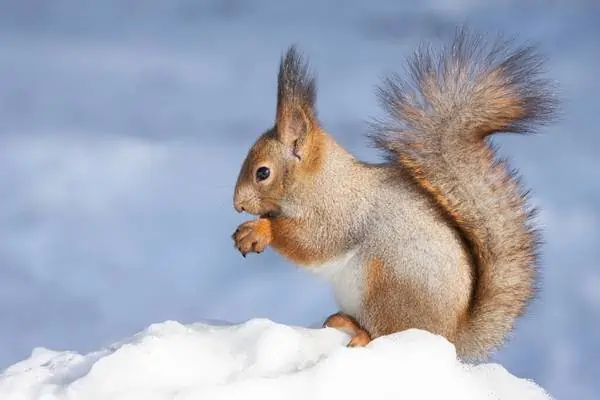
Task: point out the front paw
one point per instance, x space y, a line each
253 236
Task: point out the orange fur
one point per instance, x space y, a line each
392 305
360 337
315 154
253 236
440 200
289 239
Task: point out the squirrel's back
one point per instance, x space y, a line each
437 133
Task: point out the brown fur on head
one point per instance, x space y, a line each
283 152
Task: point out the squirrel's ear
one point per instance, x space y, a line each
296 92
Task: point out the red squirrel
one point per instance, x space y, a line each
438 237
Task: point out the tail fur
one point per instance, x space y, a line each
437 128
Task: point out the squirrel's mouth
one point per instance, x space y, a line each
271 214
271 211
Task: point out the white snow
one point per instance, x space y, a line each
260 359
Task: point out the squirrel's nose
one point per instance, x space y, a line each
238 206
241 199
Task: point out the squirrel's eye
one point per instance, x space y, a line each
262 173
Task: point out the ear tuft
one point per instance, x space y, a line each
296 93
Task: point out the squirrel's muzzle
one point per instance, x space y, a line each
238 206
244 200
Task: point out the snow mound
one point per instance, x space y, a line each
260 359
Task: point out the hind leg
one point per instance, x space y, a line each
345 322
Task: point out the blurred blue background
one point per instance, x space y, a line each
123 125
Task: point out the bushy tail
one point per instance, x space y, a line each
437 130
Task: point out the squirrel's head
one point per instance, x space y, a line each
286 153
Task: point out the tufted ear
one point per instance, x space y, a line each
296 92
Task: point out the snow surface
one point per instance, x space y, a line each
260 359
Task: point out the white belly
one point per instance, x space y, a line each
346 274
